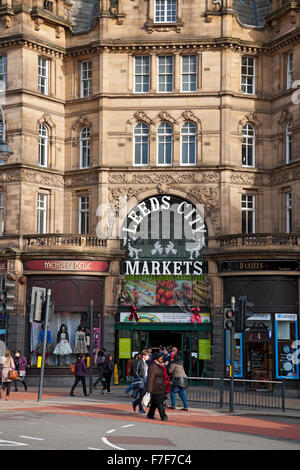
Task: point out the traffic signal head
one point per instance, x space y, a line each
7 296
242 314
229 319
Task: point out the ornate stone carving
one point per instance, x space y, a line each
246 179
86 179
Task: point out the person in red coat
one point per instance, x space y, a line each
158 386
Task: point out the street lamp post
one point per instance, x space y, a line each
231 399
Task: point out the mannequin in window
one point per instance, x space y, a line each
63 347
49 347
80 341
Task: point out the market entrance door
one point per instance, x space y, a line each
164 338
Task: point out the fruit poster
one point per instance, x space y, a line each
164 292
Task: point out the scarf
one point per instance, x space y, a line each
167 378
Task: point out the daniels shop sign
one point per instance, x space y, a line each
164 236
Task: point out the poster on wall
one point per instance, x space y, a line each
164 292
124 348
165 317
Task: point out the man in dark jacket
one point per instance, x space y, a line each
140 372
80 371
158 385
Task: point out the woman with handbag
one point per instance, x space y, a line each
179 382
8 373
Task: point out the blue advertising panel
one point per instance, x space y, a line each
286 346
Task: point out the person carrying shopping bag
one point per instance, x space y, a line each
179 382
80 371
20 364
140 373
7 369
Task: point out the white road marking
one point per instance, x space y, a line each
4 443
127 426
110 444
34 438
110 431
93 448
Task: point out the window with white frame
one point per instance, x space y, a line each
85 147
248 75
289 212
248 145
3 73
85 78
288 142
189 73
248 213
83 219
2 212
165 11
43 75
165 73
142 74
290 70
188 143
164 144
42 213
43 145
141 144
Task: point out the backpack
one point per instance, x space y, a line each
100 358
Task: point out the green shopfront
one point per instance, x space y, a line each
164 277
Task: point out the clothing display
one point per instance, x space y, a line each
63 347
80 343
49 347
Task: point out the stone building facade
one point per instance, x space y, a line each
193 99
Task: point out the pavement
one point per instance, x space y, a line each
22 400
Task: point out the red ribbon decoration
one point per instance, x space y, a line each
133 314
195 314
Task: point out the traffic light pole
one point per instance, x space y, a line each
231 395
91 345
44 344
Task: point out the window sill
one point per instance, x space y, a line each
164 27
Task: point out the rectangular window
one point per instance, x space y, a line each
290 70
165 11
2 213
165 74
84 207
289 213
43 75
189 73
85 78
3 73
42 213
248 75
142 74
248 214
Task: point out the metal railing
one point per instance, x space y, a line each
246 393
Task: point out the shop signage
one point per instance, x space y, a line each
163 268
286 317
124 348
66 265
260 265
165 317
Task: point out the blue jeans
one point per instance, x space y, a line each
181 392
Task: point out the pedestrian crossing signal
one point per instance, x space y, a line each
229 319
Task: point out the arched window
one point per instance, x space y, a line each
43 145
85 147
188 144
248 145
141 144
288 142
164 144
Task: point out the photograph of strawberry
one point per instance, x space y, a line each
165 293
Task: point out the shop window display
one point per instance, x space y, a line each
71 322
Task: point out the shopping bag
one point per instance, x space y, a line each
146 399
